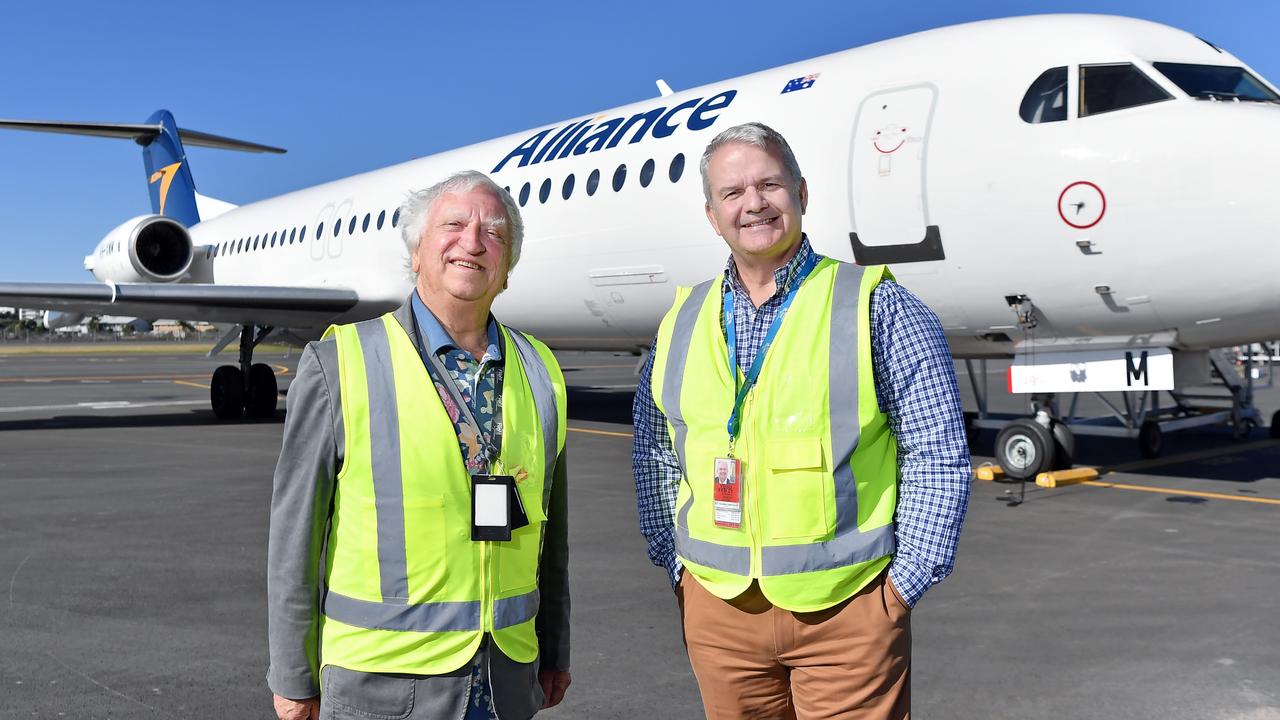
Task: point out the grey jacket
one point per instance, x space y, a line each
301 507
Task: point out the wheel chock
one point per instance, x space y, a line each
1062 478
988 472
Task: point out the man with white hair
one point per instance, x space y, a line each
417 564
800 458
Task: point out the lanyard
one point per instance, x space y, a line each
442 377
731 337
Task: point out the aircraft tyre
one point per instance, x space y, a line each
1150 439
1275 425
263 393
226 393
1064 446
1024 449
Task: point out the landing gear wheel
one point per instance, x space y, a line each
1150 439
1275 425
1024 449
226 393
263 394
1064 446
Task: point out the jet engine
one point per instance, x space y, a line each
148 248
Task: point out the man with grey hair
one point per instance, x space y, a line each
417 562
803 492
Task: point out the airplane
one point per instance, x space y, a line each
1055 187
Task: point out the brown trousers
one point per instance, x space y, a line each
753 660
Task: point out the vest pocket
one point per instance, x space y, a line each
797 486
518 559
426 545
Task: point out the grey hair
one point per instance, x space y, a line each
755 134
416 207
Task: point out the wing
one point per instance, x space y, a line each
297 307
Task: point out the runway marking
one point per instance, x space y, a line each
190 384
1190 456
1168 491
13 578
104 378
600 432
1184 457
103 405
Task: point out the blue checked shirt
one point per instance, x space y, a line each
916 388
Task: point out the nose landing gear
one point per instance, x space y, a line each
249 390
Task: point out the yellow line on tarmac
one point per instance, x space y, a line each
74 378
1169 491
600 432
184 382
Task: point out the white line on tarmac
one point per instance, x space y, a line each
103 405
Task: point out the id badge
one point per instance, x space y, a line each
727 497
491 514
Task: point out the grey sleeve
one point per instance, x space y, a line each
553 584
301 501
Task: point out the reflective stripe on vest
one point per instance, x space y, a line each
450 605
847 545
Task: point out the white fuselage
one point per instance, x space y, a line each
1186 242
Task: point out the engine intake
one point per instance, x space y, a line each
149 248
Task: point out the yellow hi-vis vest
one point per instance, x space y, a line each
820 473
407 590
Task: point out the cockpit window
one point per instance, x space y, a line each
1104 88
1046 99
1217 82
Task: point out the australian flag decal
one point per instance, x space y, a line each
800 83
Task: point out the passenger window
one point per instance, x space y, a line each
524 194
544 192
646 173
1104 88
319 230
364 226
395 218
619 177
381 217
337 227
567 190
351 228
274 235
1046 99
256 238
302 234
677 167
593 182
293 233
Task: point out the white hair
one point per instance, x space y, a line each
755 134
417 206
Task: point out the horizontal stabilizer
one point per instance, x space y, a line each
142 133
280 306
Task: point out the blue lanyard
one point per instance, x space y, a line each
753 373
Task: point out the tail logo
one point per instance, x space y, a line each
165 176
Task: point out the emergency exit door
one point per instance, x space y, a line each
889 200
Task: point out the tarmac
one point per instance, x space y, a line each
133 529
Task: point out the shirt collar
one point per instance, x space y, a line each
438 339
783 278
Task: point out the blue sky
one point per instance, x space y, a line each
348 89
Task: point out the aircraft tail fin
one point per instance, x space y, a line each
172 188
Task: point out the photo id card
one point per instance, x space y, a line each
491 507
727 496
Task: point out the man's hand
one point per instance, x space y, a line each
309 709
554 683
